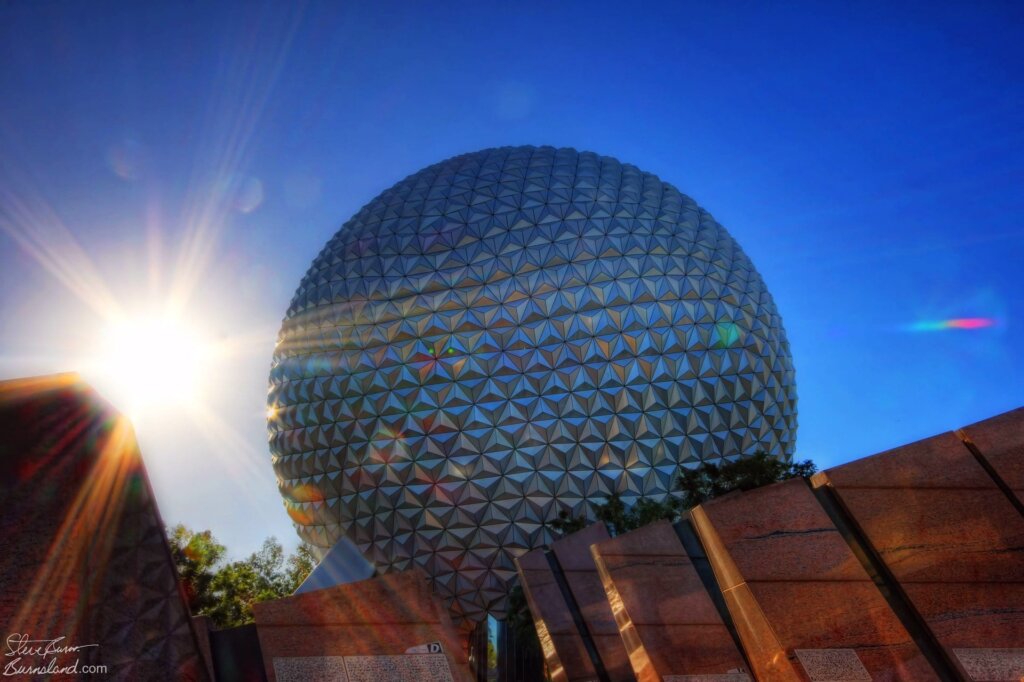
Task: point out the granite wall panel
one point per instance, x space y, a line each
1000 442
565 652
666 618
948 534
580 571
381 616
800 598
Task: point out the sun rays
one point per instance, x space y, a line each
157 346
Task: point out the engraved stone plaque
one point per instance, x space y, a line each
832 665
721 677
400 668
305 668
992 665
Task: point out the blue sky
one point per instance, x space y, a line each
868 157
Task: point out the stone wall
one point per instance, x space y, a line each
382 617
907 565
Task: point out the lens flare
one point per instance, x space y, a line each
968 323
125 159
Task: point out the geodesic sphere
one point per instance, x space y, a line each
507 334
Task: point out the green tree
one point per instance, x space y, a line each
196 556
236 587
299 566
492 656
240 584
226 592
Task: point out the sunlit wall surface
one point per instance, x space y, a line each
507 334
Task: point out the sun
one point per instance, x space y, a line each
153 363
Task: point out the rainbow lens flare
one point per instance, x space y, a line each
953 323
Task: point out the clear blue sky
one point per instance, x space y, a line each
869 157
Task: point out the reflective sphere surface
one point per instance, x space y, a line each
506 334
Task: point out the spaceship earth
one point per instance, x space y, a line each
507 334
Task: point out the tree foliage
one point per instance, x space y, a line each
621 519
196 556
711 480
566 523
226 591
693 486
617 516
